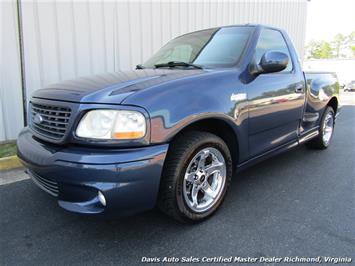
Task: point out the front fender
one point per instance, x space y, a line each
179 104
162 133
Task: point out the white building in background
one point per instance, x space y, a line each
66 39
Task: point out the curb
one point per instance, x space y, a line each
10 162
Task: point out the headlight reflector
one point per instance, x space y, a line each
112 124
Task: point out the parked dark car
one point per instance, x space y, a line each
350 86
173 132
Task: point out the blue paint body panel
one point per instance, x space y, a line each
267 114
129 178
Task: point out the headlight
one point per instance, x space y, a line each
112 124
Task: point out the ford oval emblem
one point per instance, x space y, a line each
38 119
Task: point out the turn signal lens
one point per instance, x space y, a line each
128 135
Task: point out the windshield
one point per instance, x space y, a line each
212 48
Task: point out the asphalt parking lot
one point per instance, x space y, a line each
300 203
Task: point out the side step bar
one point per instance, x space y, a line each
310 134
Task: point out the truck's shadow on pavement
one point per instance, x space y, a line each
299 203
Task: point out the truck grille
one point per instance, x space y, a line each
47 185
50 121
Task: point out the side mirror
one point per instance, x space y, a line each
271 61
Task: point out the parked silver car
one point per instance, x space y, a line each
350 86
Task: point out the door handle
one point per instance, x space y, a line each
299 89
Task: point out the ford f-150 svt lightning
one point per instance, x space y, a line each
173 132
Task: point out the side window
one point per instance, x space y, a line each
272 40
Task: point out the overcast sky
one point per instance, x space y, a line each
326 18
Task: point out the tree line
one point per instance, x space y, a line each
341 46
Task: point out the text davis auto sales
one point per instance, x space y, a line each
237 259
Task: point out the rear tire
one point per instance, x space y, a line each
326 129
191 190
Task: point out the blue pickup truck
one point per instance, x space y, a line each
173 132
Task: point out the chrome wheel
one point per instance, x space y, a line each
204 179
328 127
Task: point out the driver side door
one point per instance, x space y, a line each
275 100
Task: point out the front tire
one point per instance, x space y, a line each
326 130
196 176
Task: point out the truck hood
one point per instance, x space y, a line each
110 88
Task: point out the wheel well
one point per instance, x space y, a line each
217 127
333 103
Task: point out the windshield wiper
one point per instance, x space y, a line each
140 66
177 63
